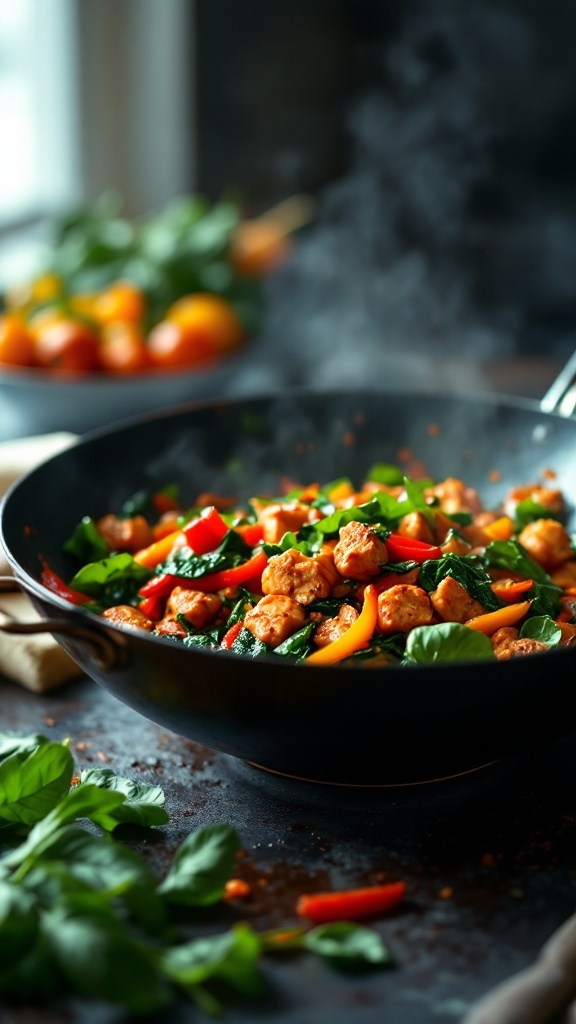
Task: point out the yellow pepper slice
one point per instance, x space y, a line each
491 621
158 551
356 636
501 529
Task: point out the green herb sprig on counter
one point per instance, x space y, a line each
83 915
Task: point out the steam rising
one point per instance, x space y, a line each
418 268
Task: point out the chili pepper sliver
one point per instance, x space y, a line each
158 551
356 636
350 904
53 582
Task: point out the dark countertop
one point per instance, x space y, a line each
488 858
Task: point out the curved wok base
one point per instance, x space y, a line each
354 726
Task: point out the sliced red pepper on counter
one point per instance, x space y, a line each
206 532
56 584
162 586
350 904
404 549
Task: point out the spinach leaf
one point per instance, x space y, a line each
20 744
467 571
387 648
144 804
247 644
232 957
386 474
528 511
111 581
231 552
542 628
509 554
299 645
86 543
446 641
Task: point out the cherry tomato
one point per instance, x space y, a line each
120 301
210 316
16 342
123 349
69 345
172 345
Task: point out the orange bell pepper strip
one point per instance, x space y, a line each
158 551
356 636
507 616
350 904
501 529
510 590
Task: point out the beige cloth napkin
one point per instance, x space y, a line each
544 993
36 661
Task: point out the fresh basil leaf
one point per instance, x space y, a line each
114 580
446 641
542 628
201 867
19 923
466 570
20 744
344 943
231 957
144 804
101 959
31 783
86 543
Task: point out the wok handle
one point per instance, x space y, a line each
561 395
106 653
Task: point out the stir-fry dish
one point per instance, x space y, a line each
401 571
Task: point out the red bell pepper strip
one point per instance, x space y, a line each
350 904
152 608
231 634
56 584
252 533
162 586
206 532
402 549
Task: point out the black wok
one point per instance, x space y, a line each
347 725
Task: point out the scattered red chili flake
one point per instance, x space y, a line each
494 476
549 474
48 720
404 455
446 893
433 429
82 745
349 439
74 780
101 756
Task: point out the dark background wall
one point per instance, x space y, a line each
439 139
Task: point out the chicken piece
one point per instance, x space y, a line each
333 628
300 577
402 608
360 552
547 542
278 519
455 496
274 619
506 643
197 607
416 526
453 603
125 534
455 544
126 615
170 626
565 575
